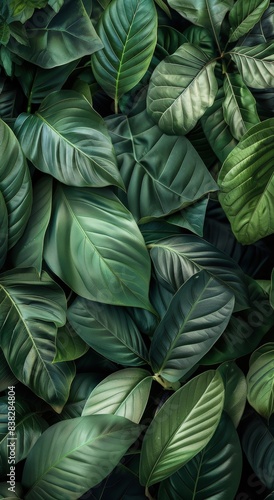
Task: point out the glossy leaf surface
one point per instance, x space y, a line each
244 15
255 64
260 388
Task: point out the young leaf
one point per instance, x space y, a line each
109 330
255 64
75 455
235 391
128 31
162 173
123 393
215 472
239 106
15 184
67 139
31 310
196 317
244 15
181 88
260 385
182 427
94 245
246 183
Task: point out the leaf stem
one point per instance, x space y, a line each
116 108
148 495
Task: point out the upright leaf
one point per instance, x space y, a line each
30 311
181 88
255 64
75 455
128 31
260 386
182 427
94 245
244 15
196 317
67 139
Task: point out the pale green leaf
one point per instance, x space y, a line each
256 64
260 385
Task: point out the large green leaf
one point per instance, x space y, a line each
239 105
246 183
181 88
196 317
4 230
260 386
162 173
109 330
214 473
75 455
28 252
31 309
177 258
52 36
255 64
244 15
208 14
15 184
68 139
123 393
182 427
235 391
128 31
94 245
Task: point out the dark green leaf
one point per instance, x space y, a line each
69 140
109 330
56 4
255 64
169 39
82 385
4 230
6 376
191 217
260 388
202 38
244 15
4 33
182 427
69 345
235 391
94 245
181 88
196 317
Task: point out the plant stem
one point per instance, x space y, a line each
148 495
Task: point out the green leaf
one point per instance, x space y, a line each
162 173
239 106
235 391
164 7
3 230
196 317
258 445
75 455
209 14
94 245
109 330
6 376
191 217
177 258
68 139
246 183
56 4
214 473
52 36
182 427
181 88
244 15
31 309
168 40
128 31
82 385
260 386
69 345
4 33
255 64
28 252
202 38
123 393
15 184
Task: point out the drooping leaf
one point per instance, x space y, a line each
244 15
68 139
123 393
15 184
128 31
31 309
82 385
75 455
109 330
255 64
69 345
215 472
182 427
239 106
235 391
246 183
181 88
52 36
208 14
260 387
191 217
94 245
28 252
196 317
176 259
162 173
